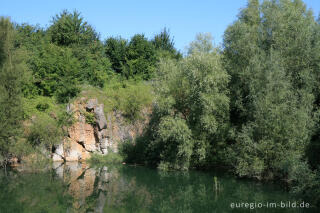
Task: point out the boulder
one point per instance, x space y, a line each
101 120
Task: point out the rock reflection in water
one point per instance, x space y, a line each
88 186
75 187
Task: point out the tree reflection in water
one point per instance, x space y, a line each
75 187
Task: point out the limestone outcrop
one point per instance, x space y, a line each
93 132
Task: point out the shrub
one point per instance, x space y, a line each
133 151
44 132
110 158
128 97
42 107
90 119
174 136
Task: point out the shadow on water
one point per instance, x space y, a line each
75 187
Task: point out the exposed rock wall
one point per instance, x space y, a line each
93 132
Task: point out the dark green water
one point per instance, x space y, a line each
78 188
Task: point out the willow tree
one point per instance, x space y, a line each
190 116
269 55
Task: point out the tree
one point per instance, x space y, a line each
70 29
268 53
176 141
11 72
190 116
279 123
94 66
165 45
140 58
115 50
28 36
202 44
56 71
240 45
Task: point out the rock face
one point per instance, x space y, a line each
92 132
100 118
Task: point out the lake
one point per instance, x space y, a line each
76 187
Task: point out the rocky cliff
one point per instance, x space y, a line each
94 132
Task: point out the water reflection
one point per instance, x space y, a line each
75 187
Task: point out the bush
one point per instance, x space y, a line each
44 132
133 151
110 158
42 107
128 97
305 183
90 119
175 139
37 161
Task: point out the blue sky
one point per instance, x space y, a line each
184 18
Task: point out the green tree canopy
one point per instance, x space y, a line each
165 45
202 44
141 57
268 54
190 116
70 29
11 75
56 72
115 50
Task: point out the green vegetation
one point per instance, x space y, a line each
251 106
89 118
44 190
128 97
11 76
137 58
43 69
191 112
110 158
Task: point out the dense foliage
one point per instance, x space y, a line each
137 58
42 69
251 106
190 114
271 54
11 76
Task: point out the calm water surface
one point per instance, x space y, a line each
75 187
